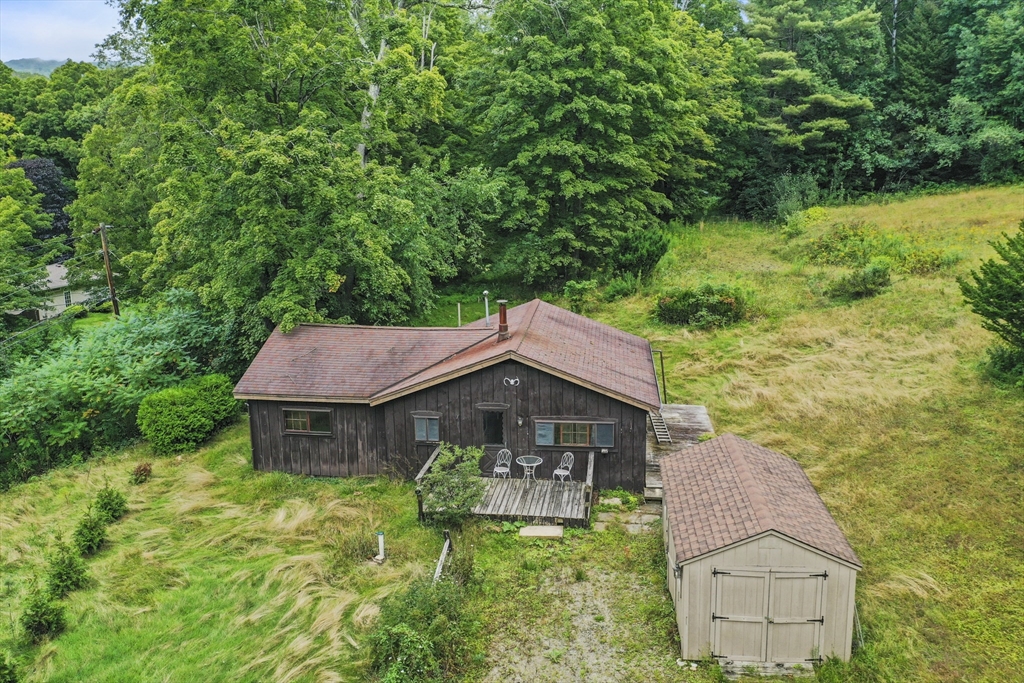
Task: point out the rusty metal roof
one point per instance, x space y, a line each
377 364
728 489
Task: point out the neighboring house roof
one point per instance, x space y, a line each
56 277
728 489
377 364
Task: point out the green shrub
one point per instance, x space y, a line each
453 486
91 532
580 294
856 244
43 616
8 673
620 287
702 307
423 633
217 393
180 418
174 420
111 503
866 282
141 473
65 571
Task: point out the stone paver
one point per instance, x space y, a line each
541 532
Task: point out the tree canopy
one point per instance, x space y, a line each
332 160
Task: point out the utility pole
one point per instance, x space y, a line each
102 230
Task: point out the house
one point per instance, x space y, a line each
59 295
759 571
348 400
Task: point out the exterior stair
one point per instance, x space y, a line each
660 428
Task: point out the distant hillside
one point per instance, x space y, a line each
43 67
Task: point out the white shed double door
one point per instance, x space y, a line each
767 615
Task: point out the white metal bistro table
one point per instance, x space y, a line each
529 463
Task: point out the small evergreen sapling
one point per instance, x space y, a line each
111 504
43 616
91 532
8 674
65 570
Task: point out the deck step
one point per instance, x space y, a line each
652 493
660 428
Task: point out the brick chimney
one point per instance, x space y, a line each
502 320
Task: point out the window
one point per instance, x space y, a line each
308 421
427 428
494 427
67 299
599 434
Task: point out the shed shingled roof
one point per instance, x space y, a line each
726 490
378 364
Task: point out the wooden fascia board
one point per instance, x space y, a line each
300 399
774 532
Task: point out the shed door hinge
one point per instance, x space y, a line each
715 572
716 617
823 575
819 620
815 659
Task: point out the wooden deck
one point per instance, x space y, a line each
685 425
537 502
540 501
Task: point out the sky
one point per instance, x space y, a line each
54 29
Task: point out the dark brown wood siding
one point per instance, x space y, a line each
381 439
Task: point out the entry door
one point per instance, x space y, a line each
795 616
738 620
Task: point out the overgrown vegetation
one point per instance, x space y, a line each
869 281
424 634
702 307
453 487
61 407
91 532
858 244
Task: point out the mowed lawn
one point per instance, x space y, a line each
919 457
220 573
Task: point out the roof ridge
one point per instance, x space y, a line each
527 323
758 502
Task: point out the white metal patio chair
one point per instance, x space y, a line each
565 467
502 464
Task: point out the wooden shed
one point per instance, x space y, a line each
350 400
759 571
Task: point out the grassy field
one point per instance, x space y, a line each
882 402
219 573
